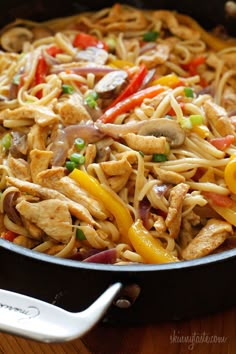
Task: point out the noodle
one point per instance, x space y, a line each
141 102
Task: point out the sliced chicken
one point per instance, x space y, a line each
37 137
119 167
219 119
52 216
174 216
147 144
19 168
54 178
169 176
208 239
41 115
36 190
39 162
72 110
155 57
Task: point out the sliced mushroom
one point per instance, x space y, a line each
41 32
111 84
168 128
14 39
92 55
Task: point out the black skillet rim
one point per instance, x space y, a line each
37 256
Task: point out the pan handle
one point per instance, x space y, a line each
34 319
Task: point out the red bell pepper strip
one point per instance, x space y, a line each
130 102
133 86
84 40
222 143
54 50
9 235
40 74
192 66
219 199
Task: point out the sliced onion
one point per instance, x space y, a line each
144 211
59 147
146 47
105 257
83 70
162 189
9 207
88 131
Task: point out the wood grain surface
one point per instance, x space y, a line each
214 334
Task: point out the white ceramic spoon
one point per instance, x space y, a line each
31 318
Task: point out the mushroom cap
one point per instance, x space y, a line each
168 128
13 39
111 84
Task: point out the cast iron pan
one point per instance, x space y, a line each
142 293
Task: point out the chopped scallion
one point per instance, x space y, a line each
77 158
196 119
185 123
79 143
111 42
91 99
67 89
16 80
159 157
6 141
188 91
70 165
80 235
150 36
141 153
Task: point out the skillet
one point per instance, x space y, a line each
142 293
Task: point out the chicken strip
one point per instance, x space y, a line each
42 115
174 216
39 162
55 178
52 216
208 239
219 119
36 190
72 111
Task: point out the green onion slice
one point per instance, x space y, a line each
68 89
77 158
80 235
6 141
70 165
79 143
159 157
188 91
150 36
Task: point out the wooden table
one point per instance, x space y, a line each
184 337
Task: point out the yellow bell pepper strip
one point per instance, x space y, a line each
113 205
210 39
147 246
229 214
120 64
130 103
208 176
133 86
201 130
170 80
230 175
